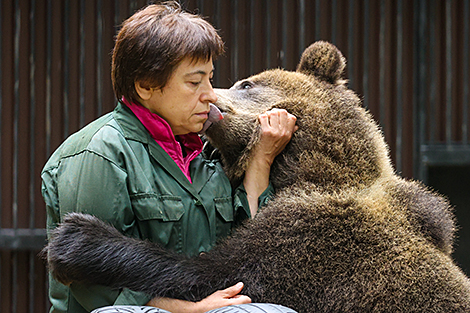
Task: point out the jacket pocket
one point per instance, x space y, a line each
224 208
164 207
225 213
158 219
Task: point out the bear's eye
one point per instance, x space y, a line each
246 85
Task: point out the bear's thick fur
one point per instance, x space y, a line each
343 232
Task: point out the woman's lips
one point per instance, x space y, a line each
204 115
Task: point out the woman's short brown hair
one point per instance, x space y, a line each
153 41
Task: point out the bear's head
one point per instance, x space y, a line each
337 145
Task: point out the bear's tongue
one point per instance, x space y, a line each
214 116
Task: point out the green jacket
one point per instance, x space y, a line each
114 170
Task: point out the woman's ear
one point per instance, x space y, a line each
145 93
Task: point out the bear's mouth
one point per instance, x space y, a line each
215 115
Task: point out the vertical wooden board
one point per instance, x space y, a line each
89 58
358 42
457 70
242 31
122 12
408 87
73 65
428 99
437 121
22 282
389 93
309 23
275 22
6 281
56 74
6 127
39 90
325 16
341 24
223 66
258 36
109 32
22 119
466 65
41 292
373 70
290 30
209 9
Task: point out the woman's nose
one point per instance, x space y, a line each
209 95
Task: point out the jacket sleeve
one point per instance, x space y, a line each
90 183
127 297
240 200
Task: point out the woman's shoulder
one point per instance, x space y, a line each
103 136
82 139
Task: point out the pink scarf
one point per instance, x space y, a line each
161 132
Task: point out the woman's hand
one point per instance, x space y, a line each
218 299
277 127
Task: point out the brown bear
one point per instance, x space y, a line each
343 232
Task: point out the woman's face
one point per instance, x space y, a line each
184 101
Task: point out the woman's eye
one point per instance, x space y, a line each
195 83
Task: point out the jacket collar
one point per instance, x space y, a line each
130 125
161 132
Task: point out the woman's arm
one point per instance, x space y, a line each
218 299
89 183
277 127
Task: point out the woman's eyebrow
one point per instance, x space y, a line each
201 72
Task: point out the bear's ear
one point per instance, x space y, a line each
324 61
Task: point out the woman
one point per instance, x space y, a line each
140 167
